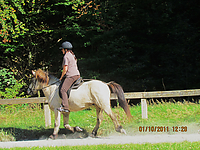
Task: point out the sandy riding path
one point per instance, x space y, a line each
144 138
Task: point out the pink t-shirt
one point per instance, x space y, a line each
71 62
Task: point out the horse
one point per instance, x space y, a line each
93 92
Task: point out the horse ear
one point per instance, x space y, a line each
33 72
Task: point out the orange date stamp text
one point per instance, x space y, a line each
162 129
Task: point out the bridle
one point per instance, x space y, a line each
33 86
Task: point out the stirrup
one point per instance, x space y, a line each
61 109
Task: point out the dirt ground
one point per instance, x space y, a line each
113 139
83 138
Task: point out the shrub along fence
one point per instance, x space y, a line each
132 95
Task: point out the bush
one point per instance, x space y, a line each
9 86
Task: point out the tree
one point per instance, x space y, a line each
11 26
36 37
147 45
143 45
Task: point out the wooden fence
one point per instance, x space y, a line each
132 95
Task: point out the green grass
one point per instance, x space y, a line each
159 146
20 123
28 122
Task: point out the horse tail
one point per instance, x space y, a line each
117 89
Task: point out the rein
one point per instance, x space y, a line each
59 81
89 79
49 85
33 87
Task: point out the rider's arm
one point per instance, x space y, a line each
64 71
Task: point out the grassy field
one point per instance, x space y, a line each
161 146
27 122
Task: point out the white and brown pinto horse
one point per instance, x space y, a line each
90 93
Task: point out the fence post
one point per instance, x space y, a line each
144 108
47 114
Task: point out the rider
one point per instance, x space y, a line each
70 73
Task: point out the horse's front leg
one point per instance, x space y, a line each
56 125
66 123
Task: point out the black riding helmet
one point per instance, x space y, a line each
66 45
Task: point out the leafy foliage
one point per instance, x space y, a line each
12 27
6 79
143 45
9 86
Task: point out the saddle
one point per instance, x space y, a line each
75 85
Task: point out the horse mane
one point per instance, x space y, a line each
42 76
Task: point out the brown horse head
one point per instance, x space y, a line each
41 76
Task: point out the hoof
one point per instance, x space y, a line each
69 128
92 136
123 131
78 129
53 137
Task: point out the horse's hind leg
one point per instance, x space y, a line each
118 127
99 112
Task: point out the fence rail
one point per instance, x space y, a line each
132 95
157 94
23 100
47 112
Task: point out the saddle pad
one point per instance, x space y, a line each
75 85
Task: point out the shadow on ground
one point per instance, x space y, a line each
41 134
